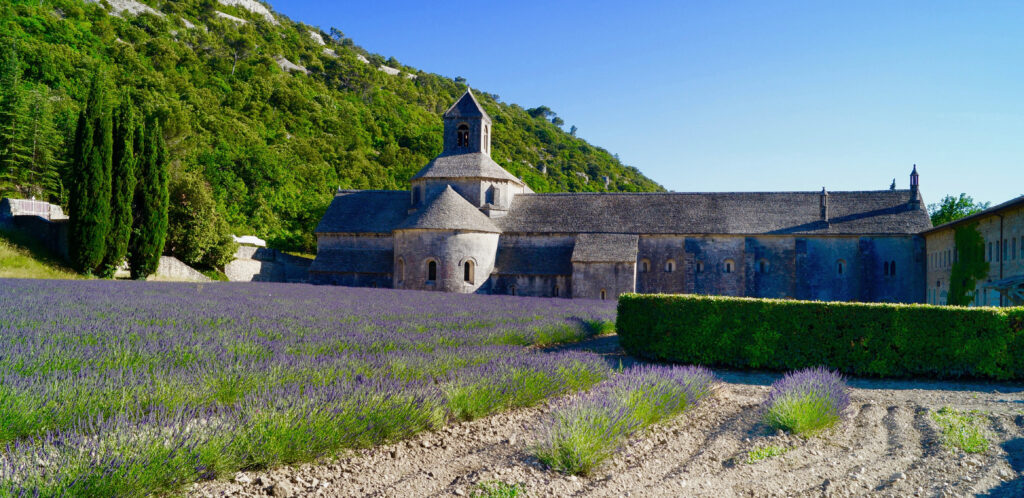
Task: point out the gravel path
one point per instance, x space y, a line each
887 446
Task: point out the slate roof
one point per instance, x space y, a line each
353 261
448 211
467 107
533 260
365 211
604 248
471 165
742 213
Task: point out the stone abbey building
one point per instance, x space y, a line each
468 225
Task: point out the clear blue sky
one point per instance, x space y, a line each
740 96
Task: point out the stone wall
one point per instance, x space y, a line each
259 264
450 250
171 269
1003 233
602 280
53 235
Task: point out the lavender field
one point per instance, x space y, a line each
130 388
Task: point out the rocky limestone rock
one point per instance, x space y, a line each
252 6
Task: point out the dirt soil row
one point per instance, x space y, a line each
888 445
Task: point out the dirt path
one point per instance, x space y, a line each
888 446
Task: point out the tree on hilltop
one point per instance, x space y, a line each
89 199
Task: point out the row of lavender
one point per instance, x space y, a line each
113 388
591 429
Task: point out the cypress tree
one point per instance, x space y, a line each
150 227
89 200
122 186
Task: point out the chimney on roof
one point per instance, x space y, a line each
824 205
915 199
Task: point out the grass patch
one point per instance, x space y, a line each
498 489
962 430
757 454
807 401
586 433
22 256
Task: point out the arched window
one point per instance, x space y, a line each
487 138
762 266
555 291
401 271
892 268
489 195
511 290
729 266
415 196
468 272
700 267
670 266
432 271
463 135
604 294
645 265
840 267
885 269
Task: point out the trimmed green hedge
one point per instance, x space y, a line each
855 338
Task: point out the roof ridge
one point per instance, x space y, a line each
761 192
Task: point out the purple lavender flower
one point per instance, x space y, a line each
807 401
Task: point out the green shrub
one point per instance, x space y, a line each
854 338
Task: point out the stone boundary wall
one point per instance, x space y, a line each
259 264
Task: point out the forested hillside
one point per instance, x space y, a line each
274 114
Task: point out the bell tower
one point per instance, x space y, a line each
467 128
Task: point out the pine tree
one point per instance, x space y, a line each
151 200
89 200
122 183
40 175
13 155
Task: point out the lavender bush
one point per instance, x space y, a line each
133 389
807 401
586 433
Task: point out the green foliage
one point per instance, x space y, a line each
953 208
962 430
757 454
498 489
968 267
89 203
149 231
275 145
28 137
854 338
806 414
122 187
196 233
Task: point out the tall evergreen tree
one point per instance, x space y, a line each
151 200
89 200
39 176
13 155
122 187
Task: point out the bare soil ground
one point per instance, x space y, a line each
888 445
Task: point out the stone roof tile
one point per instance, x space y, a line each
472 165
605 248
467 107
448 211
741 213
365 211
